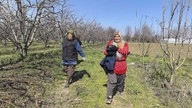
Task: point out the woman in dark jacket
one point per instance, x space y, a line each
70 50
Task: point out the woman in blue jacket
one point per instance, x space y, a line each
70 50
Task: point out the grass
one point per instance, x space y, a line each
155 49
89 90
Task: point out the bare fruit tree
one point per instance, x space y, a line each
88 31
110 32
128 33
4 34
47 28
91 31
175 35
64 19
22 18
144 35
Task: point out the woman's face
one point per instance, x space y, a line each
69 36
117 38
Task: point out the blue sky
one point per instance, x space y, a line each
118 13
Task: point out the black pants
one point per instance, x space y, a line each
115 81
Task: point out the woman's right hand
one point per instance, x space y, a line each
120 45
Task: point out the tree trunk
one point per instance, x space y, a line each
172 77
46 44
88 41
4 42
23 52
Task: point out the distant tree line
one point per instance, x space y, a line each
24 21
145 33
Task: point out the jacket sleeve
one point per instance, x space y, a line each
108 44
124 50
79 49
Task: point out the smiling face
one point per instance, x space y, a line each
117 38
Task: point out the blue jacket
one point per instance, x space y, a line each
108 62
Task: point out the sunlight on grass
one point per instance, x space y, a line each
89 90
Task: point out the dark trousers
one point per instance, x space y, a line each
69 70
115 82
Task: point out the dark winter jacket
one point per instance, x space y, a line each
70 50
108 62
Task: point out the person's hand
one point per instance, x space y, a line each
84 59
120 45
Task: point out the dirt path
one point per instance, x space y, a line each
61 97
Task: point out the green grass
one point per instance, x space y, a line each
139 92
90 92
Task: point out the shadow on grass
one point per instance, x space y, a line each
79 61
11 65
79 75
105 85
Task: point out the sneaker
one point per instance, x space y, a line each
70 81
109 100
